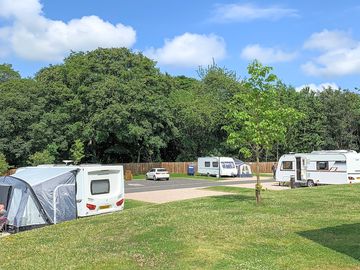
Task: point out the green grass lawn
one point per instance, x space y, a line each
317 228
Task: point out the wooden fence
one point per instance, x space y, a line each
175 167
181 167
172 167
265 167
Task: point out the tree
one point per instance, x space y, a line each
4 166
7 73
257 119
114 100
77 151
39 158
20 108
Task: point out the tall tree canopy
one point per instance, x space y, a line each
123 109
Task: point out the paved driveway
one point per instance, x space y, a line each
177 183
179 189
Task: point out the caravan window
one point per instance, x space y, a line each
207 163
101 186
322 165
228 165
287 165
215 164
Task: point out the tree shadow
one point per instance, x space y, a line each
343 238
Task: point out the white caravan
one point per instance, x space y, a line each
320 167
210 166
100 189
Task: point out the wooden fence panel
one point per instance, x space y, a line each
265 167
181 167
175 167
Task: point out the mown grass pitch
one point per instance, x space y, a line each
317 228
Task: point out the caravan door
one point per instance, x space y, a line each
300 168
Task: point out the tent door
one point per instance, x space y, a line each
64 203
5 192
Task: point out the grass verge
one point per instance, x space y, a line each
317 228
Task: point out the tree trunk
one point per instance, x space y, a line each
258 184
138 155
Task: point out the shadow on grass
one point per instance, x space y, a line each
344 238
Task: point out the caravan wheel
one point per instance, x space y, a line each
310 183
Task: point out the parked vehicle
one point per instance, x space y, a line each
210 166
38 196
319 167
157 174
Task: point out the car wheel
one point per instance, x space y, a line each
154 178
310 183
167 179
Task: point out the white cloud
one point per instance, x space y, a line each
318 87
248 12
266 55
329 40
32 36
189 50
339 54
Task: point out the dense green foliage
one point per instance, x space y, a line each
43 157
123 109
315 228
77 151
4 166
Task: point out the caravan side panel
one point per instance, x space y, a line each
285 168
208 166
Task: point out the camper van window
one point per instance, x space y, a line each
207 163
322 165
101 186
215 164
287 165
228 165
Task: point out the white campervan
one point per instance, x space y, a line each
320 167
210 166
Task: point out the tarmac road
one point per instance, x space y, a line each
178 183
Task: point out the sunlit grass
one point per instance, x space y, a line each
317 228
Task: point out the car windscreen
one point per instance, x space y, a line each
162 170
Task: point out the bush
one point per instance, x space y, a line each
39 158
4 166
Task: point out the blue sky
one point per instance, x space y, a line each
307 42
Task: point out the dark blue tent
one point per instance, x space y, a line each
244 170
